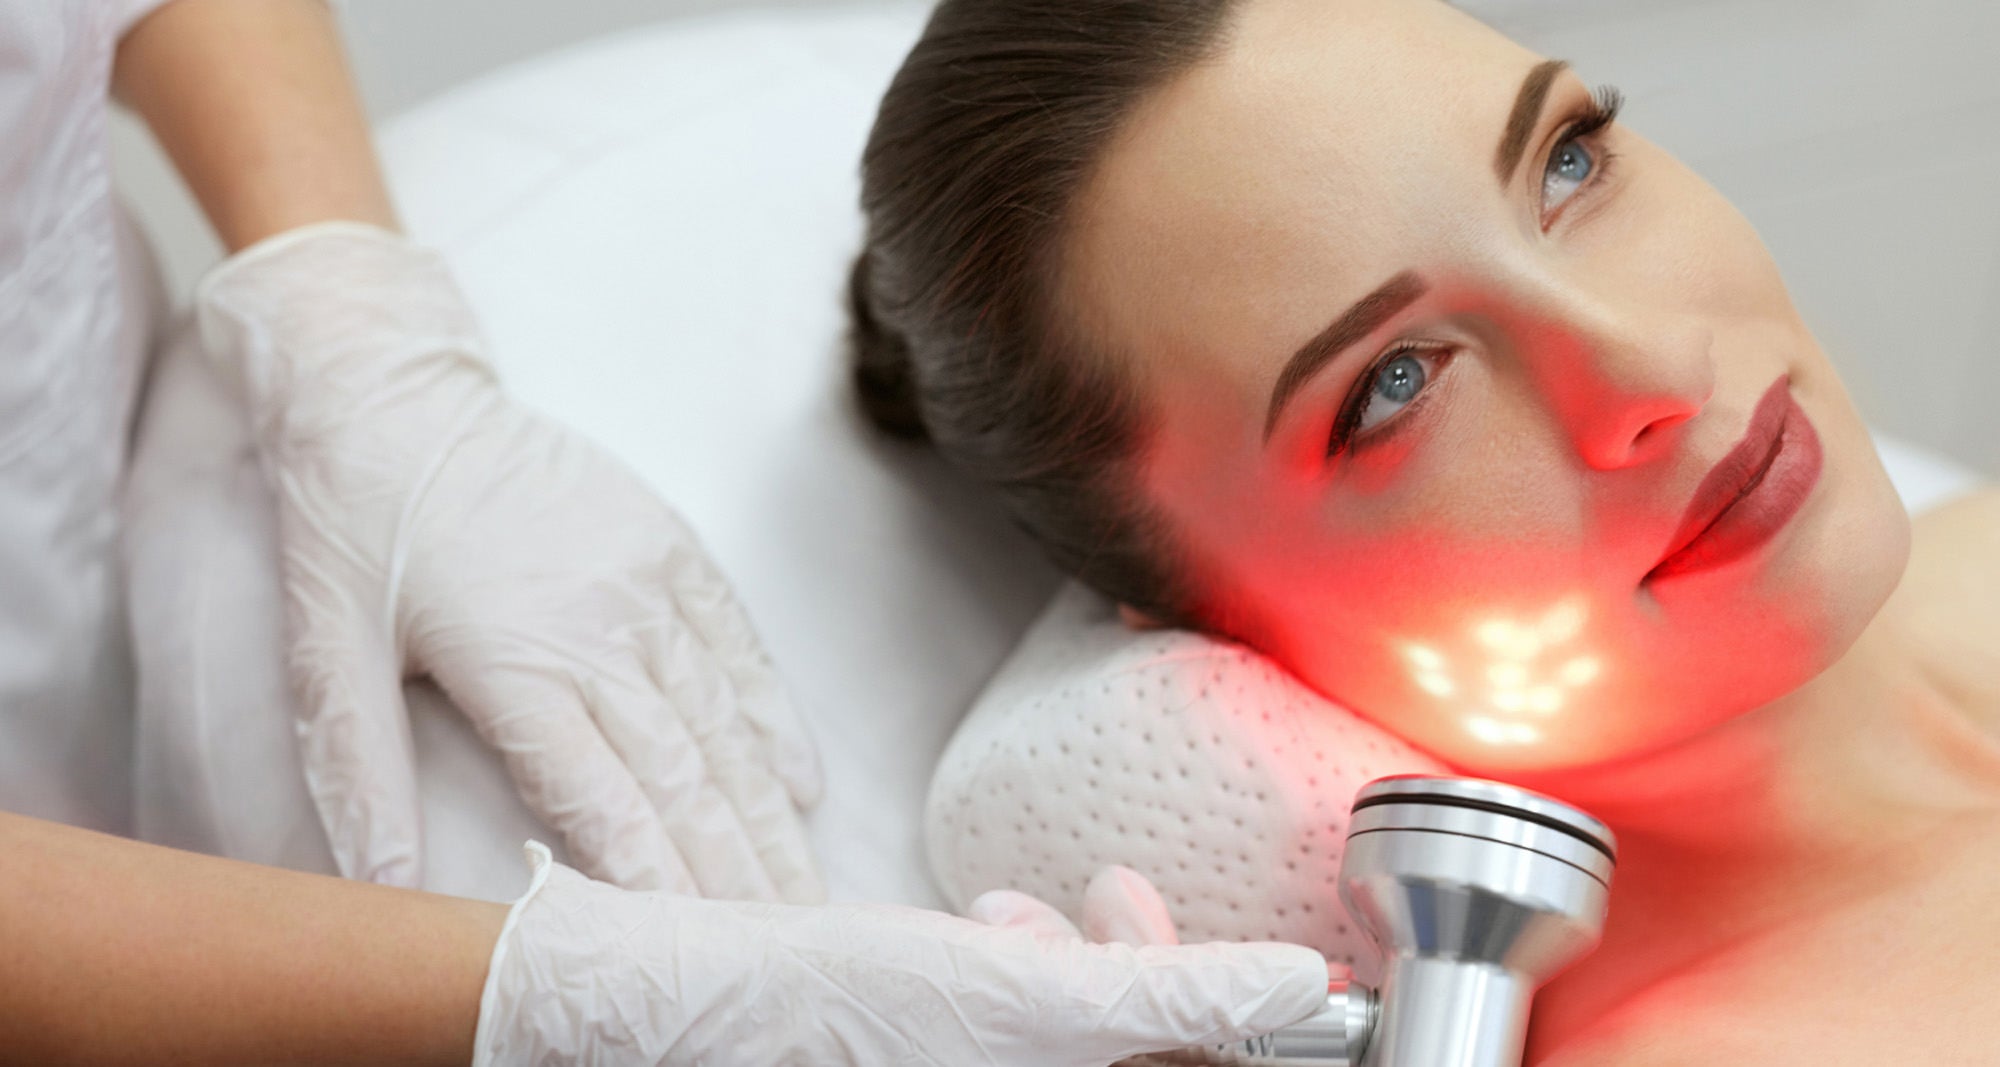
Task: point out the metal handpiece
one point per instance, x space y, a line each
1476 893
1335 1037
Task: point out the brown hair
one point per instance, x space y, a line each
984 139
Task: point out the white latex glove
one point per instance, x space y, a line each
1119 906
429 525
585 973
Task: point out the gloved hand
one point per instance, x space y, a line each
429 525
1119 906
585 973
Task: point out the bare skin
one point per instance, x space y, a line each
118 952
1875 944
1798 746
253 102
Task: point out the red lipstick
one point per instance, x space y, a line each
1753 492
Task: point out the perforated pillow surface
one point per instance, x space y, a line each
1196 762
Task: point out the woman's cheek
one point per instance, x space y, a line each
1699 247
1485 634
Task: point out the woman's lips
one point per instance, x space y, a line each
1753 492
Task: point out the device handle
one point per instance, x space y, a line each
1335 1036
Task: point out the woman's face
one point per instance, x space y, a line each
1448 390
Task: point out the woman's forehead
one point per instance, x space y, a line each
1312 145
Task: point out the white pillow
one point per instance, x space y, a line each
1196 762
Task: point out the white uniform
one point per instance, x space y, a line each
78 299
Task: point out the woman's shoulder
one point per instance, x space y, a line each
1955 560
1974 507
1948 604
1816 991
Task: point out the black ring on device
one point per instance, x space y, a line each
1493 808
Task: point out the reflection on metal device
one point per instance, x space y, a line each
1476 893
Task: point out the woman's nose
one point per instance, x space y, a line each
1622 380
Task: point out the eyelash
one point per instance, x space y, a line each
1591 120
1356 404
1606 101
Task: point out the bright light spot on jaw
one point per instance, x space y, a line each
1581 671
1435 684
1507 675
1424 658
1518 682
1563 622
1509 640
1497 634
1495 732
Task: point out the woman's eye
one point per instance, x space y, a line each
1396 384
1570 166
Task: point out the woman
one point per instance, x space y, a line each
420 515
1359 334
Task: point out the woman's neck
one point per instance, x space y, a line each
1867 753
1818 800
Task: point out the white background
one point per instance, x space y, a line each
1862 138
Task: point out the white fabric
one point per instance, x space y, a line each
655 232
587 973
431 525
77 306
1198 763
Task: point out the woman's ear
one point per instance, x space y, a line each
1134 619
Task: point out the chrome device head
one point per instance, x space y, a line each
1476 893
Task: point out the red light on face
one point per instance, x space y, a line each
1493 598
1508 675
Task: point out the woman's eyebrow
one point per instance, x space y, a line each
1367 314
1527 110
1404 289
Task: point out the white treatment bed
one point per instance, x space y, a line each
656 230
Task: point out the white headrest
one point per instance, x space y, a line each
1196 762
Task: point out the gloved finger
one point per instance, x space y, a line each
1178 996
1120 905
649 734
697 687
708 603
566 771
1017 910
353 731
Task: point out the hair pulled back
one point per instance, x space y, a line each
983 141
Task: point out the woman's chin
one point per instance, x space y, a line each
1653 696
1740 637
